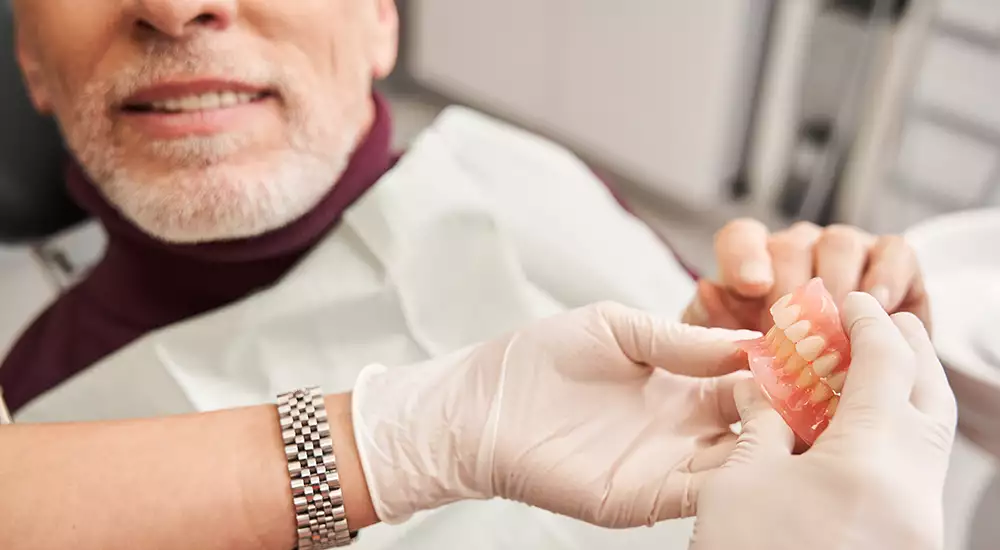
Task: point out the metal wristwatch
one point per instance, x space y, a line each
312 467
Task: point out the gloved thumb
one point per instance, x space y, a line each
763 432
882 372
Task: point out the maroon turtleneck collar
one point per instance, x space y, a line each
142 284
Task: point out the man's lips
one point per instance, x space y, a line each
203 107
183 89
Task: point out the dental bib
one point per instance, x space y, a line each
477 230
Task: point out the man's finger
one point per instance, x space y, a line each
840 256
932 395
744 262
764 433
682 349
713 306
882 368
707 309
792 257
892 271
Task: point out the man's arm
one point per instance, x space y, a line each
213 480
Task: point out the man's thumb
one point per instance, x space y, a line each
763 431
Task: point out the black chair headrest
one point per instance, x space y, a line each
34 203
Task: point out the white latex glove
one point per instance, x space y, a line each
566 415
873 480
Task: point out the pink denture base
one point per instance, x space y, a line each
806 419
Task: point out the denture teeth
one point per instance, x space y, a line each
806 379
825 365
837 381
810 348
820 393
798 330
785 351
769 337
782 303
776 342
783 318
794 364
831 408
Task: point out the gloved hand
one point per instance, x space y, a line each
605 414
873 479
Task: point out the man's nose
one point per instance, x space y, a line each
178 18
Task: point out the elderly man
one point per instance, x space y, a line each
263 236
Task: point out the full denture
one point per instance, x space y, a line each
801 362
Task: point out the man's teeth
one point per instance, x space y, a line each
204 102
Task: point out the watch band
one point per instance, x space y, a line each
312 467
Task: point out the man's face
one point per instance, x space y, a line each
208 119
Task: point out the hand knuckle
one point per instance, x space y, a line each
785 243
610 308
897 240
908 319
804 226
862 326
739 226
843 229
894 242
841 240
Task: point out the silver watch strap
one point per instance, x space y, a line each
312 467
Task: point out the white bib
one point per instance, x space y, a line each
478 229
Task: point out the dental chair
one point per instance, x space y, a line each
34 204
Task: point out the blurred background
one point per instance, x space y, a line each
877 113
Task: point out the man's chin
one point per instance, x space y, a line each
220 203
210 224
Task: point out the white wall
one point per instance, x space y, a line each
659 91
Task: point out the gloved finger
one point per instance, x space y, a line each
682 349
892 271
721 390
743 259
932 395
714 456
840 256
764 433
881 375
792 257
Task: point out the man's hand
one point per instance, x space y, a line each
757 267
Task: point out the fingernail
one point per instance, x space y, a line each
881 295
756 273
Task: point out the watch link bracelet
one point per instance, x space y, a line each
312 467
